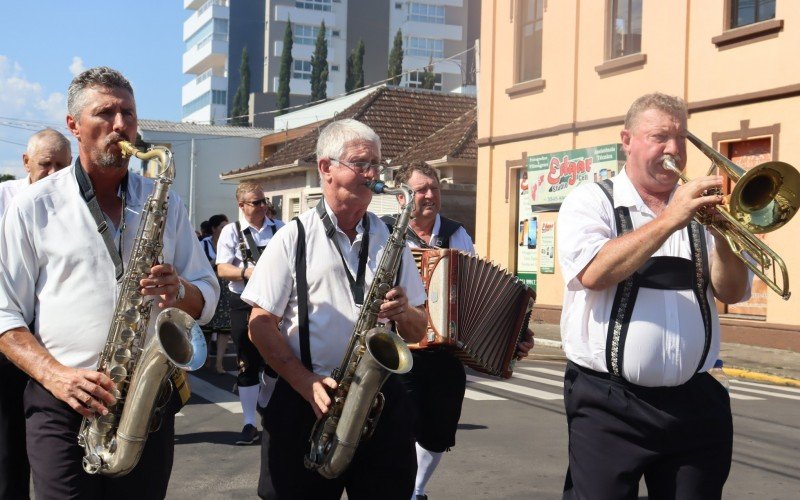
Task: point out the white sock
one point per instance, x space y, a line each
427 461
248 397
267 387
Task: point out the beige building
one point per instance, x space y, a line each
556 79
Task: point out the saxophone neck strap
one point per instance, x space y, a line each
357 283
302 296
87 193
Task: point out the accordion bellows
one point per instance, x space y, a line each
475 307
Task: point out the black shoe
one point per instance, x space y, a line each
421 497
250 435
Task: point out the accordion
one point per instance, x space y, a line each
475 308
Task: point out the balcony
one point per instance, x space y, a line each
210 53
433 30
304 16
193 4
216 9
304 52
204 83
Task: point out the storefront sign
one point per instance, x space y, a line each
550 177
547 249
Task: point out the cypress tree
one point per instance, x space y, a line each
286 70
428 78
348 78
396 59
358 65
319 67
241 101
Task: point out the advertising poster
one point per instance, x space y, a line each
547 248
551 176
528 232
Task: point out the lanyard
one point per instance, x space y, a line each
87 192
357 284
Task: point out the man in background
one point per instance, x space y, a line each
48 151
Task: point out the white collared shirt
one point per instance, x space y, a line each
10 189
54 265
666 335
459 240
332 311
228 245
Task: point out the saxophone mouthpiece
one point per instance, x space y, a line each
377 187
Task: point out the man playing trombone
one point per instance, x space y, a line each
639 324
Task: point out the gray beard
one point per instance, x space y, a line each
109 160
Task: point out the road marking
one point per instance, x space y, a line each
481 396
767 386
768 393
518 389
548 371
744 398
541 380
214 395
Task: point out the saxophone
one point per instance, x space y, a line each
113 443
373 354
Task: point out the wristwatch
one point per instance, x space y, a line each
181 292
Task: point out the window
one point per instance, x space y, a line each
625 28
323 5
744 12
426 13
334 67
213 97
217 27
302 70
304 34
425 47
529 40
414 80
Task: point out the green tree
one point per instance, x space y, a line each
428 78
396 59
319 67
355 68
286 70
241 101
6 177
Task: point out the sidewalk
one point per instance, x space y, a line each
742 361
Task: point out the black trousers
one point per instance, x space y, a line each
679 438
248 358
55 456
436 386
384 466
14 469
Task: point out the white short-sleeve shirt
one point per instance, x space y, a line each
459 240
229 250
55 267
666 336
332 311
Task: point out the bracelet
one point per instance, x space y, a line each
243 270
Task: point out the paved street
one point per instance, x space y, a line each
511 442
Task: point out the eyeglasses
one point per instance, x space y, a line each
361 166
257 203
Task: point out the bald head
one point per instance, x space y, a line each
48 151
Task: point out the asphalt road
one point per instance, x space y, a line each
511 443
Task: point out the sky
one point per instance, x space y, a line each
45 43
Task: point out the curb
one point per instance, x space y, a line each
761 377
731 372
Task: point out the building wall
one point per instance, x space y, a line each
212 156
245 31
581 99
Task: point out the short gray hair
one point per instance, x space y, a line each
333 137
101 76
673 106
49 134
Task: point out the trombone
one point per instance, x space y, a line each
763 199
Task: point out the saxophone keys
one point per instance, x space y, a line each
122 355
118 374
131 316
127 335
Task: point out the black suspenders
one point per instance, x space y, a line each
668 273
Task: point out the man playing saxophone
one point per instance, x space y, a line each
304 340
58 274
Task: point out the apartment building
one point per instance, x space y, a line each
204 99
218 30
556 79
